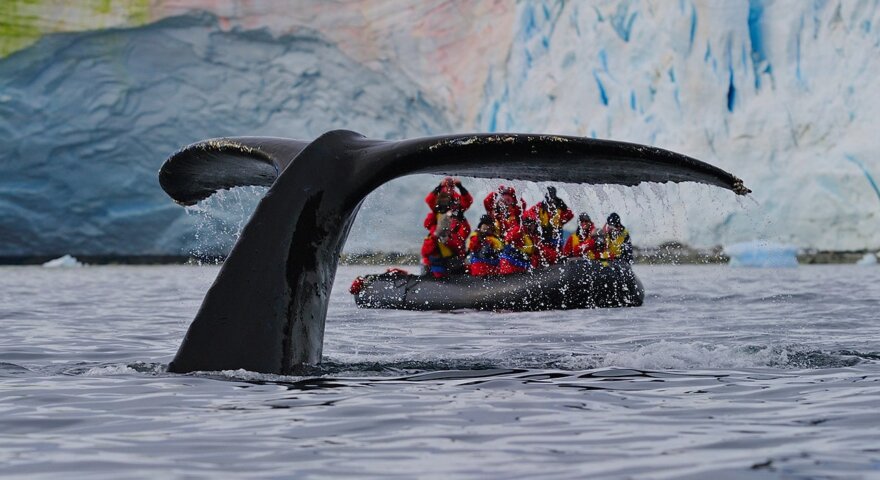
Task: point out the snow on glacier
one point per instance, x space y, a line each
780 93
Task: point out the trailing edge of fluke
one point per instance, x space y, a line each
265 311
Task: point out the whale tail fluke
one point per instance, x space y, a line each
265 311
197 171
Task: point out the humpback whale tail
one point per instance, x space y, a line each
265 311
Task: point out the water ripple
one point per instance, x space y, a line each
723 372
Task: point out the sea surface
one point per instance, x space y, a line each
723 373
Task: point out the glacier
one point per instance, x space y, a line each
87 119
780 93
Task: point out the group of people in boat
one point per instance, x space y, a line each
511 238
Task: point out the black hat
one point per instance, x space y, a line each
486 220
584 217
614 219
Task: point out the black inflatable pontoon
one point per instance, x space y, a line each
573 284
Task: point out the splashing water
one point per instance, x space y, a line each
221 217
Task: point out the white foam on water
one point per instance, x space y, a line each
109 370
697 355
249 376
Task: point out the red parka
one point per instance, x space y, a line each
582 245
460 202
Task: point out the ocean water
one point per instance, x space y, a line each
724 373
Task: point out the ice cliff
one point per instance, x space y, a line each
780 93
87 119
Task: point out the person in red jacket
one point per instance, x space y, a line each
443 251
516 257
447 218
541 251
530 227
583 242
459 231
504 207
444 200
551 214
484 248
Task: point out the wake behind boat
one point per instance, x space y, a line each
575 283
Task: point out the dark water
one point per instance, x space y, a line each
724 373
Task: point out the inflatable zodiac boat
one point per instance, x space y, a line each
569 285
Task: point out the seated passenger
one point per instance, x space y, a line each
530 227
617 242
483 248
504 208
551 214
520 250
583 242
444 200
442 252
548 254
459 231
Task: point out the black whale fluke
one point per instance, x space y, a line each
265 311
